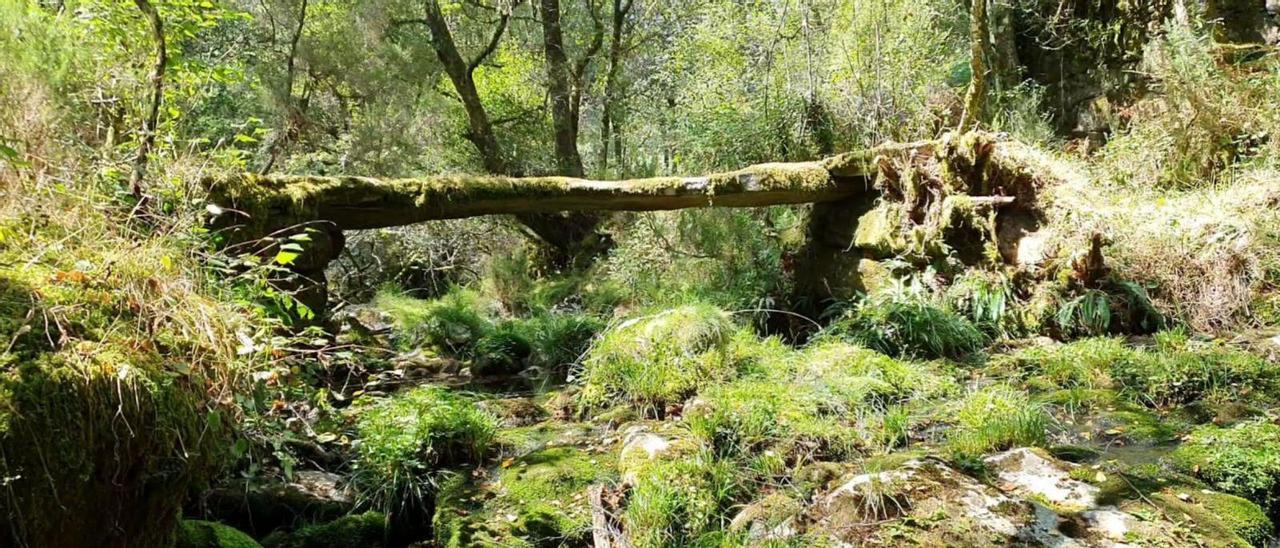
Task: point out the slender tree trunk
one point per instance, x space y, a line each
564 120
460 73
609 117
292 111
976 96
157 95
566 235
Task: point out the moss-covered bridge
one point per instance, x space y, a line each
262 210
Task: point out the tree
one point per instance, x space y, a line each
565 82
974 98
149 123
610 117
566 235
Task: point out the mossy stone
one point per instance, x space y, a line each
208 534
367 530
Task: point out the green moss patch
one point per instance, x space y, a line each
366 530
655 360
539 499
207 534
1243 460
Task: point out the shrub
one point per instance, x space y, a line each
994 418
658 359
405 440
504 350
909 326
1243 460
987 300
561 340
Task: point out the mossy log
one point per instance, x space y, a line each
353 203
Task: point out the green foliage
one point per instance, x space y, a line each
1084 363
504 350
367 529
908 325
751 416
1178 371
207 534
453 323
1205 117
408 439
994 418
651 361
732 258
1242 460
987 300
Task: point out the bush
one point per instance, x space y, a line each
995 418
908 326
1242 460
658 359
406 440
453 323
987 300
504 350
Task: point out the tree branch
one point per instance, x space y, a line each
493 43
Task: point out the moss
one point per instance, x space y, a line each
751 416
107 410
405 440
368 529
278 201
206 534
656 360
879 231
1243 460
1242 517
536 500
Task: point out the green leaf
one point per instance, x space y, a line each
286 257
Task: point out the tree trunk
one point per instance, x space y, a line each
157 95
277 143
976 96
559 85
460 74
609 115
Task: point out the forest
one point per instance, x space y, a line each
639 273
